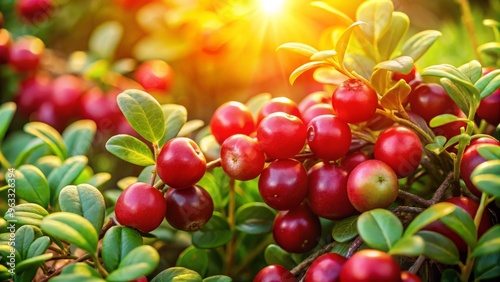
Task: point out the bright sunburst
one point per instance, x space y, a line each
272 7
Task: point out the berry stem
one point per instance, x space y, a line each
417 265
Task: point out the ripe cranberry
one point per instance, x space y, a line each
470 206
101 108
279 104
430 100
241 157
354 102
25 53
231 118
470 160
325 268
350 161
318 97
407 77
484 140
316 110
274 273
140 206
66 93
180 163
283 184
370 265
321 132
49 114
489 108
281 135
297 230
141 279
409 277
400 148
5 45
154 75
33 91
188 209
327 185
35 11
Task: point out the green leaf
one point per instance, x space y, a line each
473 70
439 248
490 48
105 39
341 44
487 267
486 177
84 200
48 135
25 235
463 224
32 263
379 228
329 75
38 247
305 67
428 216
143 112
442 120
24 214
408 246
254 218
380 80
7 111
177 274
489 242
216 184
78 137
65 175
130 149
450 275
175 118
78 272
323 55
218 278
419 43
299 48
30 148
98 179
489 151
345 230
141 261
215 233
377 15
117 243
395 96
339 14
32 185
274 254
190 127
71 228
194 259
458 93
488 83
341 248
397 30
5 249
360 64
47 163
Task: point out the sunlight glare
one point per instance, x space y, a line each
271 7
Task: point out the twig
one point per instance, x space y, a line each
58 271
416 266
354 247
213 164
417 199
304 265
442 189
407 209
106 227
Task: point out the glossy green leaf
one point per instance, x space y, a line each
47 164
439 248
27 213
254 218
490 48
463 224
130 149
194 259
32 185
419 43
450 275
442 120
25 235
140 261
377 15
323 55
379 228
431 214
341 248
489 242
339 14
177 274
105 39
472 70
276 255
360 64
175 118
71 228
215 233
299 48
98 179
7 111
408 246
397 30
488 83
458 93
489 151
487 267
78 272
380 80
65 175
486 177
31 147
117 243
84 200
38 247
76 278
190 127
78 137
218 278
48 135
5 249
403 64
216 184
345 229
32 263
329 75
396 95
143 112
343 42
305 67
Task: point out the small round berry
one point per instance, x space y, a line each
241 157
281 135
354 102
231 118
329 137
188 209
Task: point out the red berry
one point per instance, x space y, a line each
316 110
188 209
370 265
430 100
489 108
406 77
33 91
281 135
325 268
5 45
354 102
35 11
154 75
470 160
25 54
350 161
66 94
274 273
409 277
321 132
241 157
279 104
231 118
318 97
